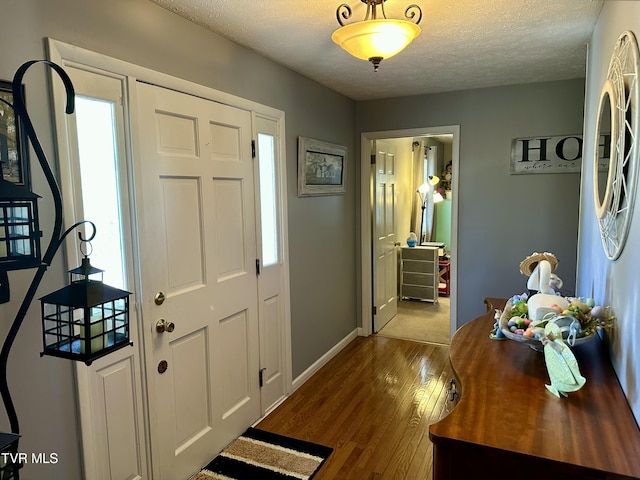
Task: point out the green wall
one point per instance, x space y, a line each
443 222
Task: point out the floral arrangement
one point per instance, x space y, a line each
591 317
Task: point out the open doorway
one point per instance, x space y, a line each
447 138
423 170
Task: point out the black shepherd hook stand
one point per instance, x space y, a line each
57 236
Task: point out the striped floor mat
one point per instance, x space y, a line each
257 454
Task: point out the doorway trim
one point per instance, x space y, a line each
92 433
365 216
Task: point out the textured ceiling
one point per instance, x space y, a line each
464 43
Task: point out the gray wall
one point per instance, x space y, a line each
614 283
322 236
502 217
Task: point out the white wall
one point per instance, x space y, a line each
613 283
404 186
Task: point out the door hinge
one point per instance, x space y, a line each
375 310
257 266
373 159
253 149
261 376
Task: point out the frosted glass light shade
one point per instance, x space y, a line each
379 39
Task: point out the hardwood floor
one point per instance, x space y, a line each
372 403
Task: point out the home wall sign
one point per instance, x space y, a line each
554 154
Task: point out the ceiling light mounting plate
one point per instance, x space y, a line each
344 12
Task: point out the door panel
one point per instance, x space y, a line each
115 409
230 220
199 248
177 135
181 199
192 387
235 386
226 142
272 358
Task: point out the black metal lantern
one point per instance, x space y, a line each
19 231
86 319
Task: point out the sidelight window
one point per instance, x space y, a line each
98 159
268 196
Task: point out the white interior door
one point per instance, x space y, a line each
385 264
197 215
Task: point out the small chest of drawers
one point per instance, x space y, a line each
419 273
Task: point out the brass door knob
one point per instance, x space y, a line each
163 326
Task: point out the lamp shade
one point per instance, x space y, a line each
376 39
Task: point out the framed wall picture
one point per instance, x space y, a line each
322 167
13 143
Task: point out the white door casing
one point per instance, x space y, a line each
385 274
199 250
366 217
110 391
116 397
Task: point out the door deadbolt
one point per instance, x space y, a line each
163 326
162 366
159 298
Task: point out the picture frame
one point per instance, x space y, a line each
322 168
14 152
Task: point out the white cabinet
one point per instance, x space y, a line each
419 273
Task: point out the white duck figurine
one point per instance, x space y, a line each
539 267
540 278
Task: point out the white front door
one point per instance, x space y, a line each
385 261
196 211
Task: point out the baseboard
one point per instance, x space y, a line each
318 364
271 409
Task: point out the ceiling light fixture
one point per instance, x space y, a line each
374 38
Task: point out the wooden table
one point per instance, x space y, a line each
506 424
